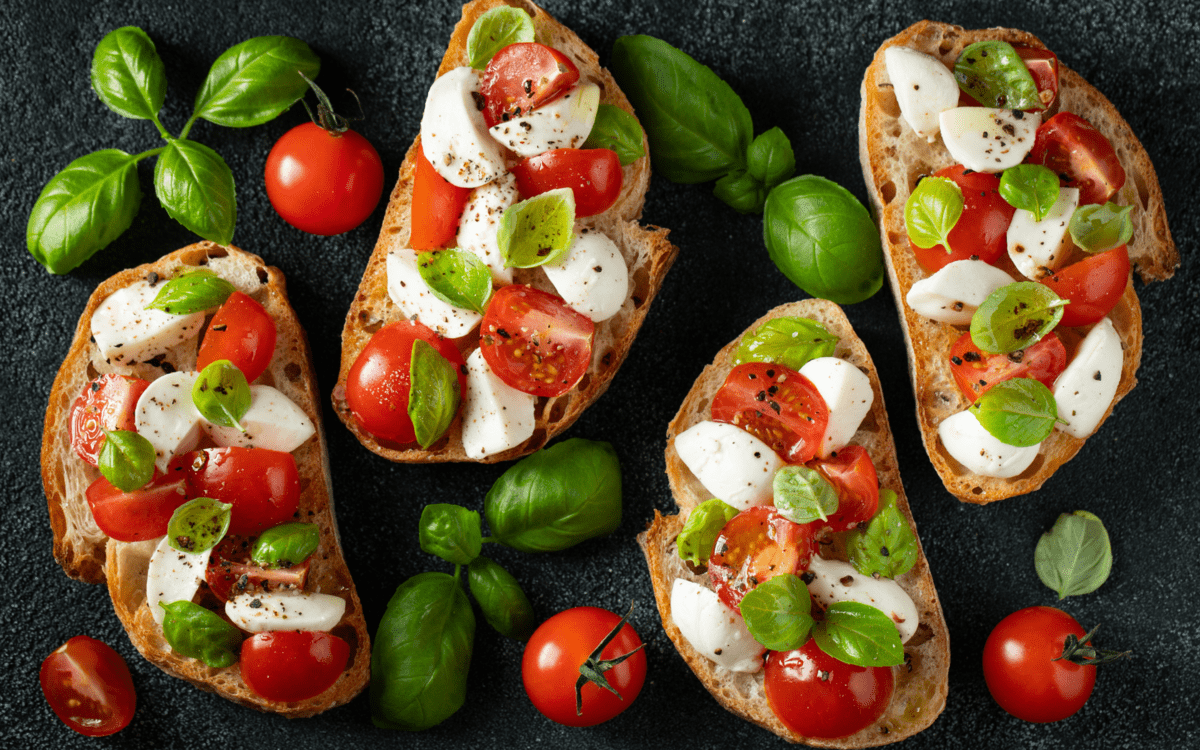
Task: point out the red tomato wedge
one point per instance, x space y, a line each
852 474
241 332
107 403
756 545
230 571
1080 155
594 176
534 342
143 513
777 405
982 229
976 371
436 207
88 686
262 485
289 666
816 695
1043 66
522 77
1094 286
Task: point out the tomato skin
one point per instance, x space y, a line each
323 183
755 546
556 650
982 229
534 342
88 686
230 571
976 371
295 665
143 513
1043 66
594 176
107 403
1080 155
262 485
437 207
522 77
777 405
1020 673
852 473
846 700
241 332
1094 286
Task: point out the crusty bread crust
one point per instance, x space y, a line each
87 554
893 158
922 682
646 251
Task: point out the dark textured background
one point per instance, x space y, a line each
797 66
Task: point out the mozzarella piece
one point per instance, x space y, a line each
1085 389
848 396
173 576
480 223
592 279
837 581
414 298
716 632
924 88
986 139
731 463
273 422
127 333
978 450
295 610
562 123
168 418
958 289
495 416
454 134
1039 247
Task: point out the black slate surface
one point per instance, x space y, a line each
796 65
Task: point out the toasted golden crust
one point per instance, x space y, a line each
893 158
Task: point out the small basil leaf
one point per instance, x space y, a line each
704 524
887 546
537 231
195 186
451 532
619 132
285 545
1030 187
1096 228
128 75
1016 316
192 292
787 341
199 525
495 30
994 75
931 212
82 209
126 460
770 158
198 633
802 495
1020 412
221 394
859 634
741 191
777 612
1075 557
457 277
255 81
434 393
504 604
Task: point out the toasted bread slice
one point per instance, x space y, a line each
87 554
646 251
921 684
893 158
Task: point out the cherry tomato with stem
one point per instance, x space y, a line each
981 231
522 77
1094 285
296 665
816 695
241 332
107 403
777 405
437 207
262 485
88 686
755 546
976 371
534 342
1080 155
852 474
594 176
143 513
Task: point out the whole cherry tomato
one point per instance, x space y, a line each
534 342
262 485
777 405
1080 155
755 546
88 686
241 332
143 513
816 695
107 403
437 206
594 176
852 474
982 229
293 665
1094 286
522 77
976 371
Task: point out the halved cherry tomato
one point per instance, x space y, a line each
241 332
107 403
88 686
534 342
522 77
230 571
1094 285
816 695
982 229
1080 155
262 485
976 371
594 176
1043 66
436 207
143 513
756 545
777 405
378 383
295 665
852 474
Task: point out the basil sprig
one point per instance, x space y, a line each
537 231
126 460
769 161
1020 412
1031 187
501 599
192 292
931 212
495 30
802 495
457 277
198 633
1074 557
451 532
199 525
887 546
616 130
285 545
994 75
222 395
700 532
434 393
1096 228
1016 316
859 634
778 612
788 341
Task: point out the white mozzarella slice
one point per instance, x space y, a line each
173 576
1085 389
924 88
954 293
454 134
273 422
127 333
495 416
848 396
480 222
978 450
986 139
168 418
731 463
836 581
716 632
1039 247
415 299
294 610
592 279
562 123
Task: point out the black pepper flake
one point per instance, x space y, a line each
1018 114
773 390
760 396
884 551
808 577
753 376
1096 376
968 171
846 580
527 84
480 102
95 386
971 356
152 278
220 327
256 604
775 406
770 373
503 333
1016 356
956 360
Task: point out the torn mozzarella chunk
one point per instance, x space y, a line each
1038 248
717 632
564 122
731 463
273 422
1084 391
923 86
293 610
847 394
168 418
986 139
173 576
592 279
495 416
480 223
836 581
954 293
417 301
454 135
979 451
127 333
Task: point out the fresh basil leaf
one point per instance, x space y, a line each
1020 412
994 75
698 128
931 212
1016 316
802 495
451 532
504 604
457 277
255 81
285 545
1075 557
859 634
126 459
221 394
1030 187
1097 228
128 75
195 186
198 633
557 497
421 654
495 30
700 531
788 341
199 525
823 240
537 231
192 292
887 546
770 158
619 132
777 612
434 393
82 209
741 191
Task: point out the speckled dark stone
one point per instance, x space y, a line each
796 65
